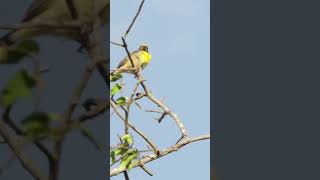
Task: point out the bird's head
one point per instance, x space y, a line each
144 47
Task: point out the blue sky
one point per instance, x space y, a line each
178 35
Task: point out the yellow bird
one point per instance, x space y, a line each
141 58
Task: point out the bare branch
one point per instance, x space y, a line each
140 133
134 19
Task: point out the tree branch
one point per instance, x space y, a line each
164 152
27 163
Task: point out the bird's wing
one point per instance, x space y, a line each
37 7
123 62
126 60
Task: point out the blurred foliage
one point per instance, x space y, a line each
14 54
19 86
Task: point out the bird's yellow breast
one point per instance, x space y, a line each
145 57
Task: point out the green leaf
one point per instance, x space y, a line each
115 77
121 101
19 86
36 124
117 152
3 54
115 89
127 138
113 156
120 151
54 116
14 54
132 164
28 47
125 162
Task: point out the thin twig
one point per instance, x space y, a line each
7 119
141 134
134 19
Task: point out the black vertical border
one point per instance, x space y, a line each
213 84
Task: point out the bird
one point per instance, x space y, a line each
141 58
56 11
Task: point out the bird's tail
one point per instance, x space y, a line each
115 72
